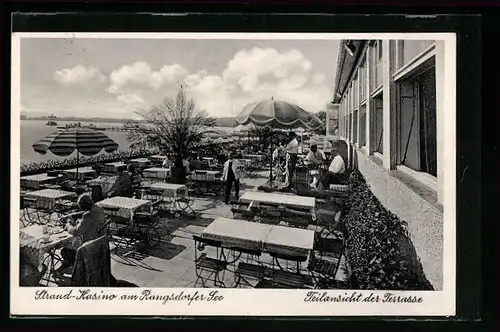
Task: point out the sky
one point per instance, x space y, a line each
113 78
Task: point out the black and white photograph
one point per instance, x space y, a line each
321 165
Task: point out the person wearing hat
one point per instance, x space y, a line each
231 174
87 228
292 150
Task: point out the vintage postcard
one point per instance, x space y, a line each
258 174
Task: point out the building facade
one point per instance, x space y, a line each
391 111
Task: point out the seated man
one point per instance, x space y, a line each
122 185
314 157
336 173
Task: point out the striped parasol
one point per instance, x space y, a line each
86 141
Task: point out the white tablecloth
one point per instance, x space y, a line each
34 181
126 207
47 198
268 238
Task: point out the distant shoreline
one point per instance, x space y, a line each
219 122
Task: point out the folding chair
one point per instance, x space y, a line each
204 264
146 225
248 269
285 278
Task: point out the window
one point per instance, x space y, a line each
355 127
362 125
378 122
379 49
417 123
362 81
350 127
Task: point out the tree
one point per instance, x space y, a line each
174 127
322 116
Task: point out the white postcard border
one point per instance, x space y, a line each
243 302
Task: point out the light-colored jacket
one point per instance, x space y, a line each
337 166
292 146
235 167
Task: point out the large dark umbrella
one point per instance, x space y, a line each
277 114
86 141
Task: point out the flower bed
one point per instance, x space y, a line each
37 167
379 250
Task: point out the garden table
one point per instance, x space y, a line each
157 173
279 199
82 173
39 247
169 189
289 241
157 159
141 162
35 181
125 206
105 182
114 167
47 198
258 157
236 232
264 237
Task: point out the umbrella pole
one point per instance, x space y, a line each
271 163
77 164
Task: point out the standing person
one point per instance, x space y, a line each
231 174
291 149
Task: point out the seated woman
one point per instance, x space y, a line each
122 185
88 227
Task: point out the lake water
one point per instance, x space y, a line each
34 130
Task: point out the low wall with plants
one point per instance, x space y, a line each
37 167
378 248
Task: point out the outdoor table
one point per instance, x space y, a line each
157 159
141 162
247 162
289 241
34 244
35 181
169 189
210 176
268 238
157 173
105 182
114 167
236 232
82 173
47 198
279 199
126 207
258 157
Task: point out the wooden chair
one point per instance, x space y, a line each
250 268
284 278
209 268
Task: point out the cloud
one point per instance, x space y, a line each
130 99
79 75
140 73
258 74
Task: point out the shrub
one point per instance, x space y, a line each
378 248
